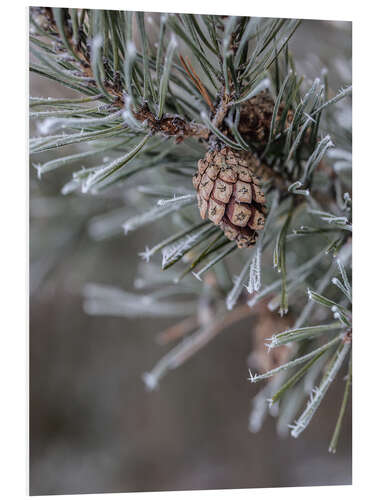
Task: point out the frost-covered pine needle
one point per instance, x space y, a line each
212 262
103 173
255 278
340 95
112 301
297 334
235 292
316 157
346 287
319 392
70 159
177 199
149 252
260 405
51 124
341 221
256 377
341 316
179 247
180 353
151 215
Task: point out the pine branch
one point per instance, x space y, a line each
152 115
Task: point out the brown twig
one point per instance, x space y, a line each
177 331
170 125
187 325
221 110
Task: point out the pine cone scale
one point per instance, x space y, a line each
216 211
222 191
243 192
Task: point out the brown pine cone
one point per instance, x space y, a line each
229 194
256 116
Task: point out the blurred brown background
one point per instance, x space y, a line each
93 426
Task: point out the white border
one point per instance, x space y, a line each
14 238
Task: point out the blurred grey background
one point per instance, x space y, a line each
93 426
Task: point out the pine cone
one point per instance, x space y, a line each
229 194
256 117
